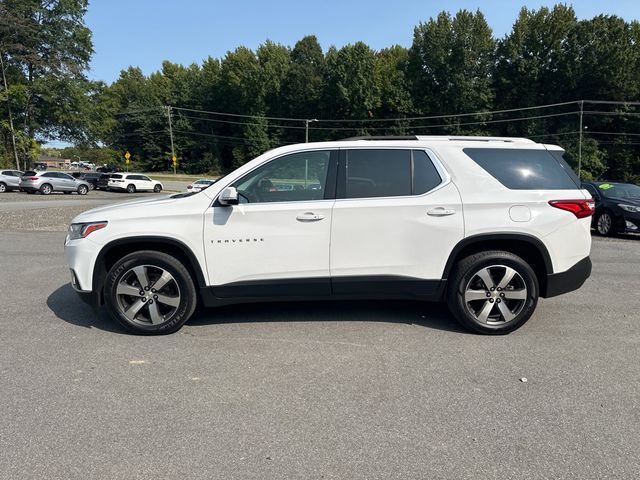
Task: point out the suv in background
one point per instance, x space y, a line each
133 182
9 180
617 207
48 182
92 179
103 181
487 224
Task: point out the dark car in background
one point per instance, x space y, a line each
617 207
92 179
103 181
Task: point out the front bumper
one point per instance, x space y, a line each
568 281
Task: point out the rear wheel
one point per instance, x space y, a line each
493 292
604 224
83 189
3 187
131 188
46 189
92 186
150 293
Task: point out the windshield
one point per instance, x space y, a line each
619 190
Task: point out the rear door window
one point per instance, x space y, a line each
523 169
372 173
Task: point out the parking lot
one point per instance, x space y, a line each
344 390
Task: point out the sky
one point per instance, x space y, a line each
143 33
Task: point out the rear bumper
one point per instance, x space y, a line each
568 281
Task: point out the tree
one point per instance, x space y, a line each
45 49
395 97
351 90
450 64
302 87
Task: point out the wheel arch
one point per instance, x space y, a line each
529 248
116 249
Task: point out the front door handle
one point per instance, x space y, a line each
309 217
441 212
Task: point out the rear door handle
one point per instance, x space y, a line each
309 217
440 212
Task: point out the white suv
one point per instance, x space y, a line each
487 224
132 183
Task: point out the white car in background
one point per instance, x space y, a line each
133 182
200 185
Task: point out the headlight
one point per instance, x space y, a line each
82 230
629 208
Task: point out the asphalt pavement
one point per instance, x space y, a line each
345 390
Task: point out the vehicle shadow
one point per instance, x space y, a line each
429 315
66 305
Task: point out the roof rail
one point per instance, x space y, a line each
383 137
441 138
463 138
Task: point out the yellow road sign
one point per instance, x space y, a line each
127 156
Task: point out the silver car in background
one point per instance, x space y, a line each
9 180
48 182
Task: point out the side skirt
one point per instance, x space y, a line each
314 289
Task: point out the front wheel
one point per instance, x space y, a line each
157 189
150 293
82 190
493 292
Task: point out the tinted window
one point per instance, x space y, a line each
521 169
50 175
378 173
65 176
425 175
146 179
296 177
116 176
619 190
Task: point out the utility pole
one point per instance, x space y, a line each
13 133
580 141
306 128
173 153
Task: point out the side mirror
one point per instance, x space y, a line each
229 196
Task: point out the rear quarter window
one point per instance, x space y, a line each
522 169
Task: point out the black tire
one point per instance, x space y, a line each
157 189
3 187
518 298
46 189
604 224
131 188
171 317
82 190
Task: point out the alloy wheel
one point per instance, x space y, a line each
148 295
604 224
495 295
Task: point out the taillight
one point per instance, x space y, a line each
32 178
580 208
